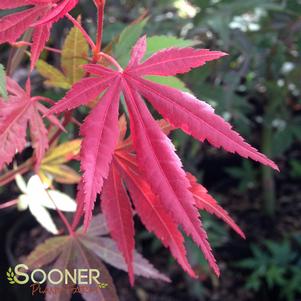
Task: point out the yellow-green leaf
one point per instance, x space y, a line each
74 54
63 153
3 91
60 173
171 81
54 77
53 168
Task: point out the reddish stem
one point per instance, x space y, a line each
9 204
61 215
21 169
100 20
24 43
67 118
111 60
79 26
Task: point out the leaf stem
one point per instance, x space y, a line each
79 26
21 169
61 215
24 43
67 118
100 20
111 60
9 204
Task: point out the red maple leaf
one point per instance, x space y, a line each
125 175
159 165
16 113
40 15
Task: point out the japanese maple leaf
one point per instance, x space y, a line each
125 176
158 162
40 15
87 251
15 114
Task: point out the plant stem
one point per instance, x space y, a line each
79 26
16 55
61 215
9 204
24 43
111 60
21 169
67 118
100 21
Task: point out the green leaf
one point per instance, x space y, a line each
157 43
54 77
127 39
3 90
170 81
74 54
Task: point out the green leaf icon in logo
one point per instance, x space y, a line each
10 276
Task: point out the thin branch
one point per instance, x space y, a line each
24 43
61 215
79 26
100 21
21 169
9 204
111 60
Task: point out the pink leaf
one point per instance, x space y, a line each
173 61
138 53
198 119
57 12
9 4
39 136
12 26
107 250
40 36
99 70
81 93
117 209
14 116
153 214
100 132
163 170
204 201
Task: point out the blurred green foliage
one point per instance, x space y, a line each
275 266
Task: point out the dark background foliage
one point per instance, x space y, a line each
256 88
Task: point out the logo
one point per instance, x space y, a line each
75 280
10 276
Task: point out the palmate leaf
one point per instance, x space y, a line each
74 55
150 209
53 165
16 113
156 159
87 251
40 15
163 169
67 252
152 213
107 250
117 209
206 202
54 77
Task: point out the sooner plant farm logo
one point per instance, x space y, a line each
76 280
